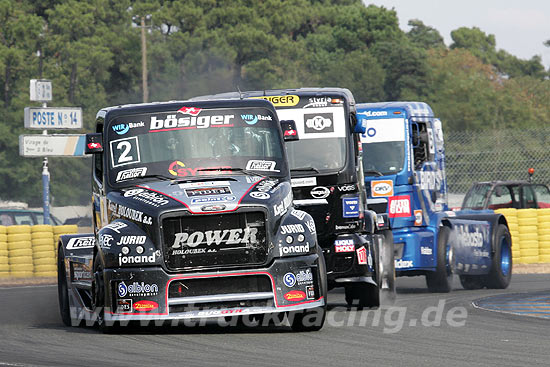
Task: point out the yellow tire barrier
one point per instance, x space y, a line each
22 252
65 229
21 274
4 267
42 242
544 258
527 222
544 244
19 245
3 229
528 244
42 235
21 267
4 274
46 260
43 248
544 251
45 274
528 229
3 237
4 260
544 238
42 228
19 237
3 246
527 213
529 252
4 253
528 259
21 260
49 254
41 268
543 231
528 237
18 229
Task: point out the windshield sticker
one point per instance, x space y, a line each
382 188
205 191
317 123
318 102
125 151
124 127
277 101
131 173
301 182
194 185
172 122
383 130
178 169
350 207
253 119
261 165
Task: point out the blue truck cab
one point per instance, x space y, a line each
404 169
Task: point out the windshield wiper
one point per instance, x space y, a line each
312 169
151 176
373 172
233 169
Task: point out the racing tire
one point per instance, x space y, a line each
472 282
98 297
313 319
441 280
501 268
63 291
386 284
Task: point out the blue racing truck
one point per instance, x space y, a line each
404 168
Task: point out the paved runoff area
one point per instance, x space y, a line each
525 304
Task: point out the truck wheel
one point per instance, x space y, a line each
501 268
98 297
440 280
62 290
471 282
313 319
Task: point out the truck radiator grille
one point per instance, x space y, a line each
207 241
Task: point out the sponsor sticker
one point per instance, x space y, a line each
105 240
253 119
213 199
289 279
292 228
177 122
259 195
381 188
310 292
418 217
204 191
125 151
293 249
136 259
350 207
399 206
137 289
145 306
318 123
282 207
131 173
261 165
320 192
80 242
304 277
300 214
301 182
148 197
288 100
425 250
346 245
318 102
402 264
295 296
362 255
124 305
116 226
124 127
214 237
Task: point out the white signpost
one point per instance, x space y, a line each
44 145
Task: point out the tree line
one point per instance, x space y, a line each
91 50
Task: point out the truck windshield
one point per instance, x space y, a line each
191 142
383 146
322 132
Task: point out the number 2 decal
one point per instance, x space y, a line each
125 151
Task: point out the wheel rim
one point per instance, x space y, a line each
504 257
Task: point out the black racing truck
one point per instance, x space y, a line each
193 219
328 183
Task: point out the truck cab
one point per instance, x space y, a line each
404 168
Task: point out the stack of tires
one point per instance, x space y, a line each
4 263
544 235
528 236
61 230
511 216
43 251
20 251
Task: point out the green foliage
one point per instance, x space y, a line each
91 50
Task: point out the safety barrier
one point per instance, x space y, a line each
530 231
30 251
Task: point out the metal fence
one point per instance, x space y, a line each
504 154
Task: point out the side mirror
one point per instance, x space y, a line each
94 143
290 133
361 125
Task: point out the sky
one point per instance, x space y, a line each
520 27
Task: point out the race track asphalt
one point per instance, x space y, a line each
422 329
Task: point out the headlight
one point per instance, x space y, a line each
289 239
301 238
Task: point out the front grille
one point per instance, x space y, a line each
214 240
340 263
219 285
